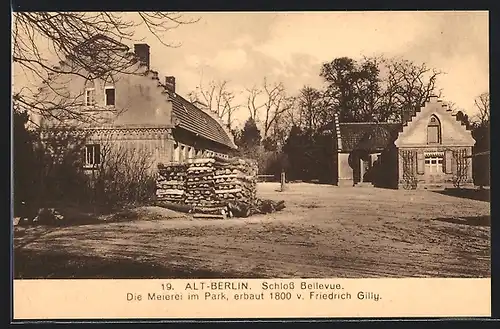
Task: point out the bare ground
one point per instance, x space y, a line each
325 231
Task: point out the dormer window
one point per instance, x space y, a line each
434 131
109 95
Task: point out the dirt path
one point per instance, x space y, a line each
325 231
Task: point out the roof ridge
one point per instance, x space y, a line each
173 95
228 138
218 120
211 115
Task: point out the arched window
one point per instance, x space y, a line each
434 131
109 91
89 93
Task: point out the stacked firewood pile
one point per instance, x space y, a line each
235 180
213 188
170 185
200 187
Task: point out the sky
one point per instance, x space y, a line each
289 47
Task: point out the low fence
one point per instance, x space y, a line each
273 179
267 178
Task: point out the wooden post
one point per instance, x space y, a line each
361 170
282 181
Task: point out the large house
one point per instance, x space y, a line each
142 112
431 150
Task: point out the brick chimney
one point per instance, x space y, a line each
170 83
141 50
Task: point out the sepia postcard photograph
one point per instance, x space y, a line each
206 150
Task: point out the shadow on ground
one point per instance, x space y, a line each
467 193
472 221
75 217
30 264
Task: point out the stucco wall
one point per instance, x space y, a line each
138 99
453 133
344 170
156 144
140 119
141 102
445 179
454 137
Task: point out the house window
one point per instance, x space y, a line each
89 97
92 154
182 153
191 152
110 96
434 131
434 165
176 152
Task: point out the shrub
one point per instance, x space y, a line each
125 175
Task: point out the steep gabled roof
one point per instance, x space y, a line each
455 132
373 136
197 121
189 117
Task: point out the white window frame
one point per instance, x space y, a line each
176 152
182 153
106 96
90 157
434 165
191 152
89 91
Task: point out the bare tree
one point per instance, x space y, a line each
252 105
59 164
407 87
273 103
313 110
71 37
282 125
482 103
218 98
122 174
377 88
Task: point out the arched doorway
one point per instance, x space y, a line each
360 162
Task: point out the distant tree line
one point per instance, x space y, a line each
284 132
294 133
